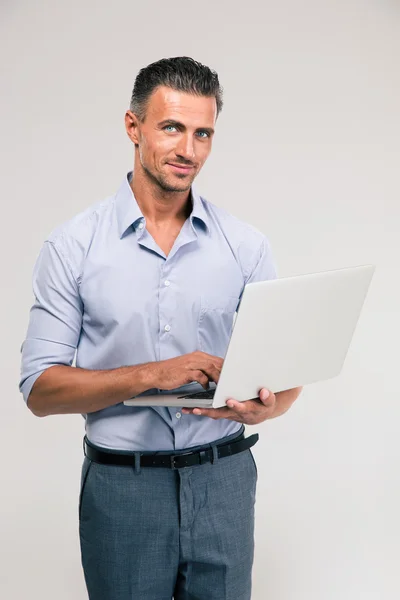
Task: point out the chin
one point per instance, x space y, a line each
170 187
175 185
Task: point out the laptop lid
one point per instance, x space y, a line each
292 331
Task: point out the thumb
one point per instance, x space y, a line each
266 397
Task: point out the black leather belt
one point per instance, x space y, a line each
173 461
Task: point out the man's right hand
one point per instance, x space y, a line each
175 372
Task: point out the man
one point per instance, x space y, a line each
144 286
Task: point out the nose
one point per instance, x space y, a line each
185 148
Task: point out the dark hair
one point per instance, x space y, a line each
180 73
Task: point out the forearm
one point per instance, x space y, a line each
284 401
69 390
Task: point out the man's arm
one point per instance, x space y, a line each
284 400
254 411
63 389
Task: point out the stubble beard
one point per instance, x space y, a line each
164 184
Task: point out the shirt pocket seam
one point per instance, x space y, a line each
226 304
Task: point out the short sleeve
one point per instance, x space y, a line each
55 318
264 267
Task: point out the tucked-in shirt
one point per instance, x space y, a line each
107 296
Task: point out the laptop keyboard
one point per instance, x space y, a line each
200 395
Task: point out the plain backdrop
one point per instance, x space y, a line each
307 150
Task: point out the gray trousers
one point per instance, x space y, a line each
157 533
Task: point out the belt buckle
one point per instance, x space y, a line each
176 456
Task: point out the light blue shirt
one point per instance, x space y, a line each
106 291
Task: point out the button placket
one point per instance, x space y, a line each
164 311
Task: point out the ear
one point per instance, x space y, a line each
132 127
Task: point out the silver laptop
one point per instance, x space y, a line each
288 332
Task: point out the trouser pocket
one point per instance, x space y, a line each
254 463
87 463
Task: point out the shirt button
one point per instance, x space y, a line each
141 225
178 415
167 328
167 283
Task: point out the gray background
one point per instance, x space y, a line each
307 149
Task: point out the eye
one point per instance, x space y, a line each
206 134
167 126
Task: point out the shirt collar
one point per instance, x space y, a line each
199 211
128 211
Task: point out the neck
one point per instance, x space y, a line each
157 205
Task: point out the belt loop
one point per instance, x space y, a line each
137 463
215 453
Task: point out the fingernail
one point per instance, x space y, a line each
264 394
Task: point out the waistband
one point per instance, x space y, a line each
207 453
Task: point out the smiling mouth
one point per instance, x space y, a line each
180 168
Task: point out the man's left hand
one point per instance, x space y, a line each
249 412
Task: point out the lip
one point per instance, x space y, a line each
180 168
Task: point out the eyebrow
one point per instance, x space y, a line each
180 125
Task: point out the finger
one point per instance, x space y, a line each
233 405
247 408
213 413
239 407
212 372
201 378
266 397
218 362
214 360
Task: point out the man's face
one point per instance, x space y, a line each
177 130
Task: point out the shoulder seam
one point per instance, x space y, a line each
64 256
258 254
